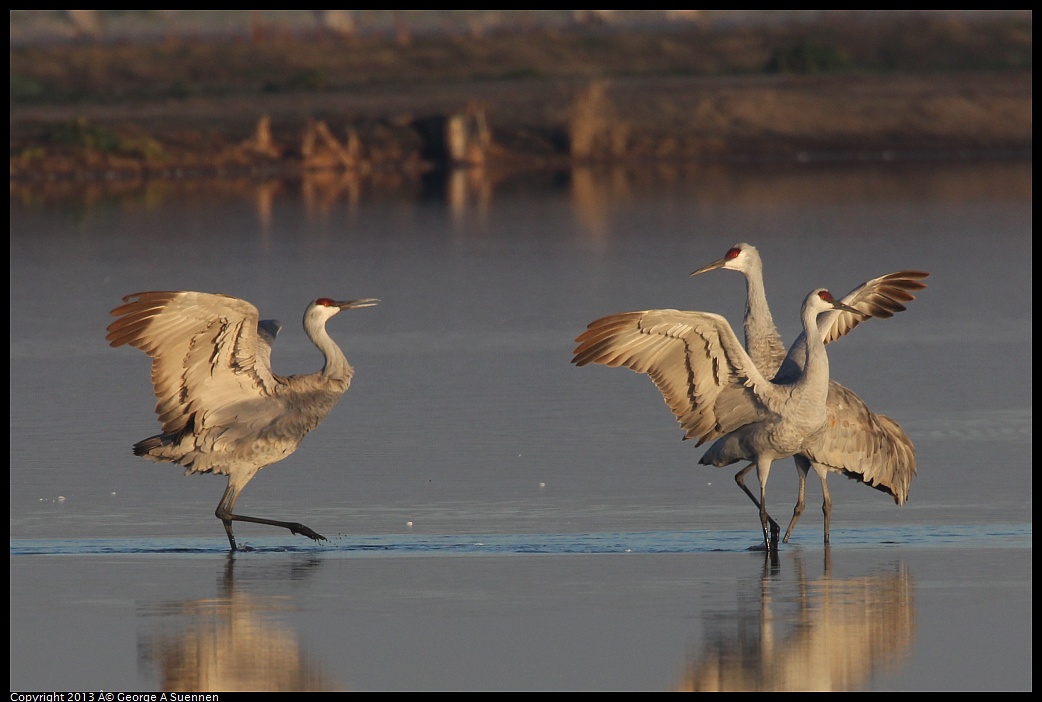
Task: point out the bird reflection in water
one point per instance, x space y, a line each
232 643
823 634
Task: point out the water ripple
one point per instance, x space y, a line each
653 542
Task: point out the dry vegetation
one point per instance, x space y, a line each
281 102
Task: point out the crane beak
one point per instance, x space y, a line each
847 308
355 304
711 267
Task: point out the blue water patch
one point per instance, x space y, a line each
652 542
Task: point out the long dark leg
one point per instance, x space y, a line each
224 513
739 478
826 500
802 466
770 540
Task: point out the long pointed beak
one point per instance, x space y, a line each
847 308
711 267
355 304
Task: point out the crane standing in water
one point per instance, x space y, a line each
858 443
715 389
222 408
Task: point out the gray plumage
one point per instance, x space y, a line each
714 388
858 443
222 408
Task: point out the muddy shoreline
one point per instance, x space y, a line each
545 125
292 106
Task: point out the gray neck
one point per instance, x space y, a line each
762 340
336 365
816 363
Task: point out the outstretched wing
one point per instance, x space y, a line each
694 358
867 447
880 297
208 361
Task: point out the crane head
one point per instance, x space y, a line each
344 304
323 308
740 257
823 301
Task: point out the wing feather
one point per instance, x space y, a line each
695 360
865 446
208 361
881 297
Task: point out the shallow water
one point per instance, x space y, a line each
1007 536
497 518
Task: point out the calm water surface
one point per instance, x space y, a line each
498 518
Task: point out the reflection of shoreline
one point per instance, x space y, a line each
231 643
594 191
829 634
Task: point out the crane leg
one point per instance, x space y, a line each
739 478
770 536
802 466
826 502
225 514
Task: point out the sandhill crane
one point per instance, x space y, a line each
713 387
222 408
858 443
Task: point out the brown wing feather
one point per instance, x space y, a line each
865 446
694 359
880 297
204 351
